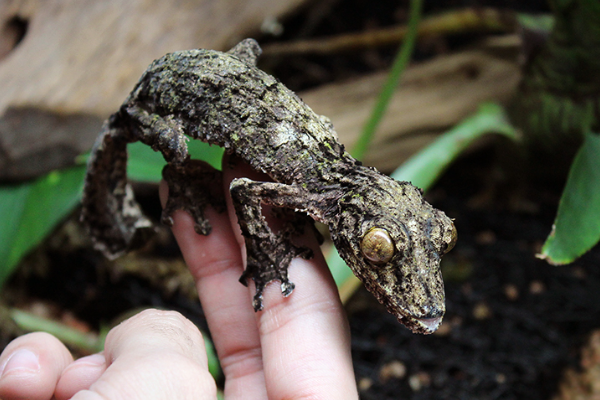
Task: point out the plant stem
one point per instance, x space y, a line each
89 342
400 63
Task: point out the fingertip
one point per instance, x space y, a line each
31 366
80 375
152 331
154 354
311 327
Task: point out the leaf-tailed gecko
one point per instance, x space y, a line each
385 231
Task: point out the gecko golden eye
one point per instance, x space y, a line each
377 246
453 238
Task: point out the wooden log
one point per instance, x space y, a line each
82 57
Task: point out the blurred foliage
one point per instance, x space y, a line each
29 211
559 93
557 109
577 225
425 167
145 164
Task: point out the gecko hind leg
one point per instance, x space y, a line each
193 185
269 254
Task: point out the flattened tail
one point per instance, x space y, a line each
109 211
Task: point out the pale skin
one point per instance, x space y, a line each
297 348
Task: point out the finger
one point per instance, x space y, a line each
215 262
31 365
153 355
305 337
80 375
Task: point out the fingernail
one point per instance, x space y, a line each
22 360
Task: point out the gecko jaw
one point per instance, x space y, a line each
430 325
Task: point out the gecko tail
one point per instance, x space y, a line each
112 216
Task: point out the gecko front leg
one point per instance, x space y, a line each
269 254
162 133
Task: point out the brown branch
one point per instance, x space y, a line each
461 21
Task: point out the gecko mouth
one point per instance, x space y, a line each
429 324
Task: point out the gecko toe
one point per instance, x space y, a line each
287 288
305 253
202 227
166 218
257 301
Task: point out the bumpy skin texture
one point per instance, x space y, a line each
223 99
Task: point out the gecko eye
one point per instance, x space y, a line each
377 246
453 238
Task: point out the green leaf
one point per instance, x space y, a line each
29 212
12 203
577 225
145 164
214 366
206 152
425 167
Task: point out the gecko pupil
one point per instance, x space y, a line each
377 246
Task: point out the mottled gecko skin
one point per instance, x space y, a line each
387 233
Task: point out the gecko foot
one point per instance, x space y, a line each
276 268
193 185
287 288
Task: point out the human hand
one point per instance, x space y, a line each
298 347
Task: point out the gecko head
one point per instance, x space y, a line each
394 241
